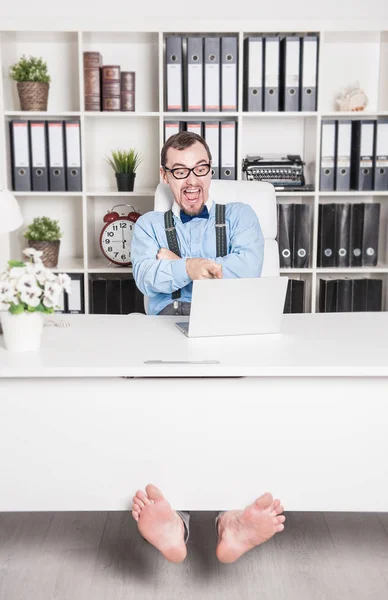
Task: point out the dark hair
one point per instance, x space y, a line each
181 141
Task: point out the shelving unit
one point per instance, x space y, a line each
344 56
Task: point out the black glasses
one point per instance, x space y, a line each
184 172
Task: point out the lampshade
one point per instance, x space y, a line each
10 214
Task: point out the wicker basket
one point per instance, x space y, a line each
33 95
50 252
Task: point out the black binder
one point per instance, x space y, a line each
288 300
370 238
297 294
374 295
344 295
285 234
362 155
39 156
113 296
132 300
328 295
20 155
301 227
381 154
342 234
99 296
359 295
326 235
356 232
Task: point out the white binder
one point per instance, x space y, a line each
171 128
73 156
381 155
212 74
344 155
21 170
74 299
271 73
174 73
212 137
194 127
195 74
229 73
254 74
39 175
308 101
291 64
228 150
327 167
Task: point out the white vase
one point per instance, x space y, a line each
23 332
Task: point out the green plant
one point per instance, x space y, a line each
125 161
30 69
43 229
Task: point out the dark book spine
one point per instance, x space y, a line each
92 80
110 87
127 90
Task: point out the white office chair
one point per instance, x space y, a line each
260 195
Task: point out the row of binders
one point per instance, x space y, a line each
294 227
46 156
294 302
115 296
201 73
280 73
354 155
348 235
221 138
350 295
75 301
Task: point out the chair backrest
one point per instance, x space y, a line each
259 195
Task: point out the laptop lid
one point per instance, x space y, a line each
237 306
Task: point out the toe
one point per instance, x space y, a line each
136 508
280 519
139 502
143 497
135 515
279 527
153 492
279 509
264 501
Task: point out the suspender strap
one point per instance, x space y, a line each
221 230
172 241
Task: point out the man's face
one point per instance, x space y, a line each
191 193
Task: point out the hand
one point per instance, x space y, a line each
201 268
166 255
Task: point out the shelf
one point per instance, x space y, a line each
29 114
283 194
199 115
338 270
291 271
354 194
47 194
69 265
100 265
287 114
149 193
118 114
353 114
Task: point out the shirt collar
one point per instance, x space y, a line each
176 209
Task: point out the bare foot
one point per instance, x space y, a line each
159 524
242 530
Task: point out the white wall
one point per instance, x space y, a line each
123 12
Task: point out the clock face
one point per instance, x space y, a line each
115 241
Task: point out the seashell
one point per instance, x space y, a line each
352 98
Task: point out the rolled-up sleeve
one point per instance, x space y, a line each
153 276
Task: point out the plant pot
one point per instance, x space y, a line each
33 95
125 181
50 252
22 333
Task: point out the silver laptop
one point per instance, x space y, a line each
236 307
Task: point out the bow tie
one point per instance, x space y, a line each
204 214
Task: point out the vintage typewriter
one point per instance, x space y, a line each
284 172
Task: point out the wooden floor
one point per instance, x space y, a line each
98 555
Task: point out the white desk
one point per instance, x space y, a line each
303 414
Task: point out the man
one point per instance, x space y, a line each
166 278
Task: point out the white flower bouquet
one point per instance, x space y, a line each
31 287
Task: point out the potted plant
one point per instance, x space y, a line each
124 163
27 293
44 235
33 82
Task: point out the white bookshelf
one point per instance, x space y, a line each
345 55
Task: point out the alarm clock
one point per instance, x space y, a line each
116 236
